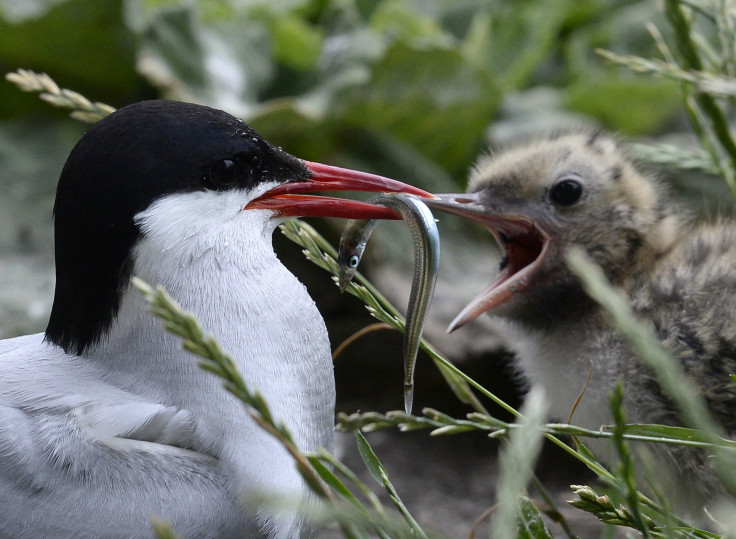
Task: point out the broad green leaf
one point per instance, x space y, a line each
633 105
225 63
82 43
296 43
519 37
399 18
431 98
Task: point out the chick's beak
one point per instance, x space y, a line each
524 243
287 199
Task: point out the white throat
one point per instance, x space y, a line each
217 261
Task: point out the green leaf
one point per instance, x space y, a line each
296 43
512 39
634 106
225 62
379 474
334 482
163 529
516 463
531 523
97 55
453 429
418 94
627 471
457 384
399 19
369 457
680 434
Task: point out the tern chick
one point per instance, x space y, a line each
580 189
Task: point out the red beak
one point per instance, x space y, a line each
287 201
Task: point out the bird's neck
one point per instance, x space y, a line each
263 317
563 360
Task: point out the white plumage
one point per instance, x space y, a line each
80 435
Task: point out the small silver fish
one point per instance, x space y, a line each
354 238
426 266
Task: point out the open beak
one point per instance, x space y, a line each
524 243
287 199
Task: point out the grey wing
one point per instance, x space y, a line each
72 466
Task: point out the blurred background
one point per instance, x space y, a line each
409 89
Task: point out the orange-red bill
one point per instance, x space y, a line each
329 178
319 206
286 199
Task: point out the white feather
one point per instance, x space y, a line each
95 445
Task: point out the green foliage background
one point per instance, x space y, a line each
392 85
409 89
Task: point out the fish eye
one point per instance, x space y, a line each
354 261
566 192
223 174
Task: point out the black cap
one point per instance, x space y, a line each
124 163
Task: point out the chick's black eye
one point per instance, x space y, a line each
566 192
223 174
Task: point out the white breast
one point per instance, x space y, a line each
217 261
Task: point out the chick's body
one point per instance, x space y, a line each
580 189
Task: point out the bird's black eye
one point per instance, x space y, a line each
566 192
223 174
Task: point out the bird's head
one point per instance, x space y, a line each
175 173
541 198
